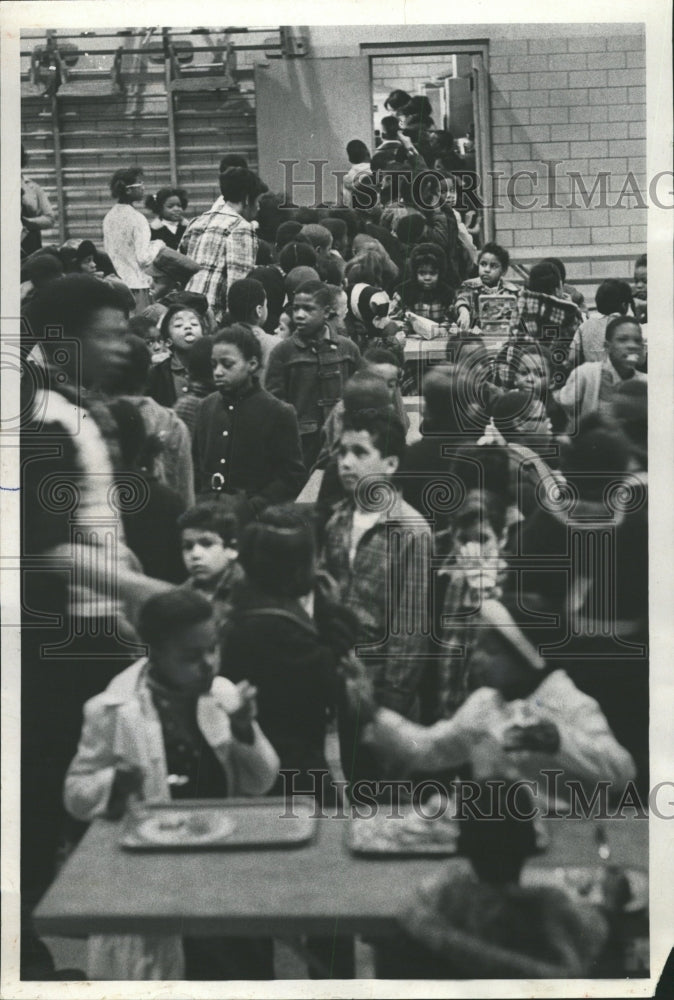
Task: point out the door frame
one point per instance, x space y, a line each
478 49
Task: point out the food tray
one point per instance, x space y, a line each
587 882
406 836
219 824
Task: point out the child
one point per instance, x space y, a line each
466 252
180 328
169 205
641 287
359 554
247 304
568 291
150 518
588 344
520 718
340 236
309 369
86 259
199 384
424 290
339 307
209 548
271 280
246 443
320 239
493 263
297 254
378 363
173 464
168 727
460 920
369 324
591 386
544 313
145 327
287 643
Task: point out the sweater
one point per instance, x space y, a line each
128 243
250 445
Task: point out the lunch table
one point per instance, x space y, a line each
319 888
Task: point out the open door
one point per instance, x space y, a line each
307 110
482 140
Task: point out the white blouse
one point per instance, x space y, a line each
126 239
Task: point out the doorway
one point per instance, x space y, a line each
453 78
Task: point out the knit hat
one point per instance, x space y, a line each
427 252
369 304
296 255
84 250
298 276
287 232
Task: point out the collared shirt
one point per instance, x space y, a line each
225 246
385 581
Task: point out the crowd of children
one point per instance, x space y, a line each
223 362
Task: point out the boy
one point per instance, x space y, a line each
378 553
246 443
309 369
247 303
591 386
493 263
209 546
168 727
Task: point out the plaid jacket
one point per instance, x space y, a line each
545 317
225 246
387 587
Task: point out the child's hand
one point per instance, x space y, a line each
463 318
542 737
127 781
242 718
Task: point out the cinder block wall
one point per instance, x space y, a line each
580 100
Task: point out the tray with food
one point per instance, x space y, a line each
218 824
403 833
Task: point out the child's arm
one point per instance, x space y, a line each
253 761
91 775
463 304
275 381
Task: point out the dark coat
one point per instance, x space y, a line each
274 644
252 441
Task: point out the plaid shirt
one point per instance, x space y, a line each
225 247
387 586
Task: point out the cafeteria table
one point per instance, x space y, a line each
319 889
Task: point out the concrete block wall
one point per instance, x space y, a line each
580 100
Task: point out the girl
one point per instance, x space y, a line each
181 327
169 205
493 264
424 289
127 237
613 297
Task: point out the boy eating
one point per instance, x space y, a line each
168 727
